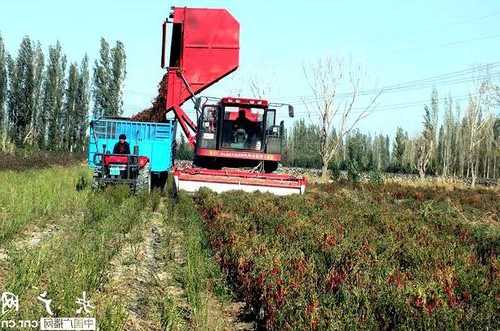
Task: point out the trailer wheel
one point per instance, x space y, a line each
159 180
144 179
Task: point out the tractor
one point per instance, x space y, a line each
151 157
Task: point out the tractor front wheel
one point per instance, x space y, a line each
144 179
96 185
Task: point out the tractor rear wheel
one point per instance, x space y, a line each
144 179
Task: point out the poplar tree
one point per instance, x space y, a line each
102 81
39 62
23 92
425 143
70 116
82 104
118 73
13 97
450 132
3 85
54 96
398 149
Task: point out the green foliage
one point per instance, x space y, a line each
3 84
343 257
399 145
184 150
171 315
36 127
21 92
70 116
353 171
375 178
109 75
44 109
303 146
199 275
118 65
102 79
335 171
77 260
114 317
48 194
82 106
54 86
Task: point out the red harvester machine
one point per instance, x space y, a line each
236 141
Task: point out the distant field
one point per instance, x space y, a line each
366 256
25 160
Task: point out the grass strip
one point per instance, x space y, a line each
200 276
38 196
77 259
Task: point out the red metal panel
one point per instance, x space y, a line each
209 51
237 176
232 154
233 116
116 159
123 159
237 101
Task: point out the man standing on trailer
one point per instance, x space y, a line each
122 147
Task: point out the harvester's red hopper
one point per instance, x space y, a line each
205 44
205 48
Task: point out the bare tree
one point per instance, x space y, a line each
477 120
424 150
258 88
335 112
426 143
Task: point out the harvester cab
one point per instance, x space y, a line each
238 132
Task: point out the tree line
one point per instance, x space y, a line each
464 143
45 100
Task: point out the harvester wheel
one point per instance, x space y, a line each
270 166
144 179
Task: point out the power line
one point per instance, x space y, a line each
456 77
397 106
451 78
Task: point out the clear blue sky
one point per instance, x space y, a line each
396 41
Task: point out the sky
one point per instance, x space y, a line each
394 41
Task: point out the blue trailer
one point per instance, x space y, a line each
152 152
